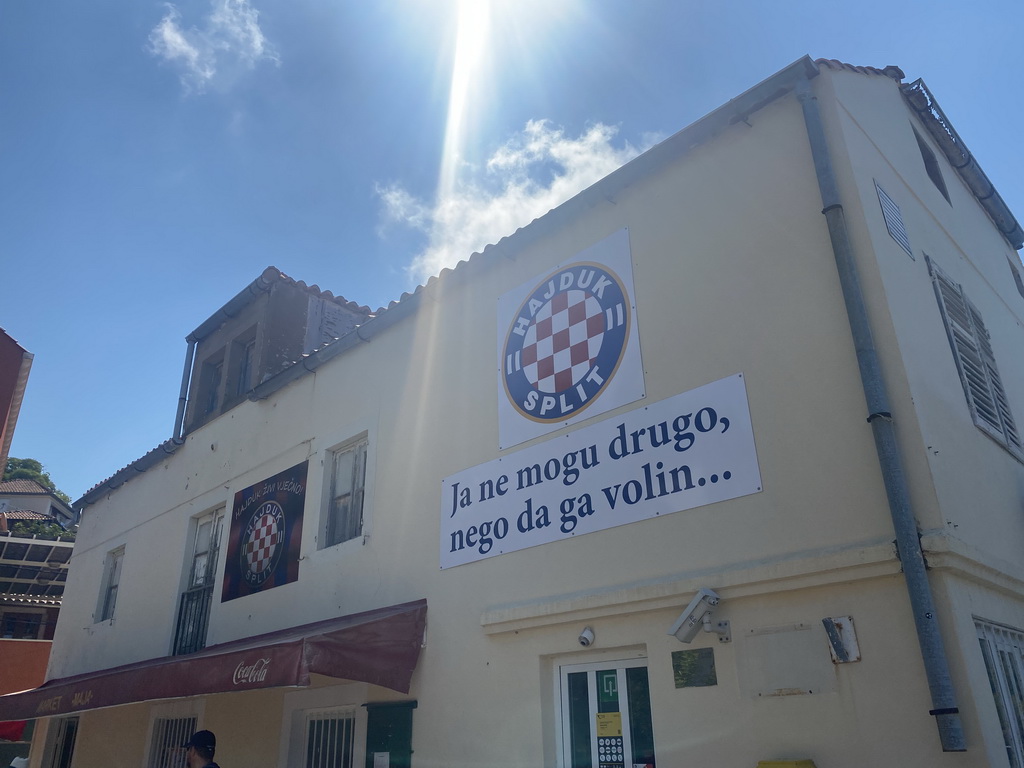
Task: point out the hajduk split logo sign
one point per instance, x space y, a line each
265 534
568 344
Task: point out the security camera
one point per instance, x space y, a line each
696 617
586 637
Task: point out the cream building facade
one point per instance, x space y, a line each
477 538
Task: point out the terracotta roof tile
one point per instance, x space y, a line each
890 71
25 514
22 486
315 290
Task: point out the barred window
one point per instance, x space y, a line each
330 739
169 733
1003 650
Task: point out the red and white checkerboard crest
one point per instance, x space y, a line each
566 341
263 543
568 347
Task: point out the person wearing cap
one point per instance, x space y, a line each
200 749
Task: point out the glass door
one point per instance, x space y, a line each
606 715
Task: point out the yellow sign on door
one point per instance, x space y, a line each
609 724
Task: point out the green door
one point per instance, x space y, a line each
389 734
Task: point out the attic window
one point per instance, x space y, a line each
931 165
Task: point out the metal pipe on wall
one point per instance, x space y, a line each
186 375
945 711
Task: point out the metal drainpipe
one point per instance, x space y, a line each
183 397
945 711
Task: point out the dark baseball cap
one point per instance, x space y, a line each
202 740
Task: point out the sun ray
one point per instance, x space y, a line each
470 44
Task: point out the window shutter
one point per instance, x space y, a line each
995 382
972 351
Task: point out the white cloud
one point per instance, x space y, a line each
228 42
535 171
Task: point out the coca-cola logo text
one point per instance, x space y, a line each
251 673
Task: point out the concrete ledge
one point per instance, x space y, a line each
802 570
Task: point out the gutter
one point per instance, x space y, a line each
934 119
944 707
119 478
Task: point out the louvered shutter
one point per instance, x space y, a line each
972 351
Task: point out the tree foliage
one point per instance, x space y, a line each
31 469
43 530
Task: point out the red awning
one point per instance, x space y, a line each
379 647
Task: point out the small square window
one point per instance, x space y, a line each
344 515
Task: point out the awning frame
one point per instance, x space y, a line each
380 647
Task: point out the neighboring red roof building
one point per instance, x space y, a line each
15 362
22 495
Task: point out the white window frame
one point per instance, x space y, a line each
113 565
215 518
56 736
975 361
359 446
1003 652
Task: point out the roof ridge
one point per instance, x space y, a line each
273 272
27 485
891 71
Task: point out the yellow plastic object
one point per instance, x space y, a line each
785 764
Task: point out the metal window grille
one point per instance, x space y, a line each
894 220
330 739
62 748
976 363
169 733
345 515
1003 650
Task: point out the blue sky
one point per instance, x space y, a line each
155 157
